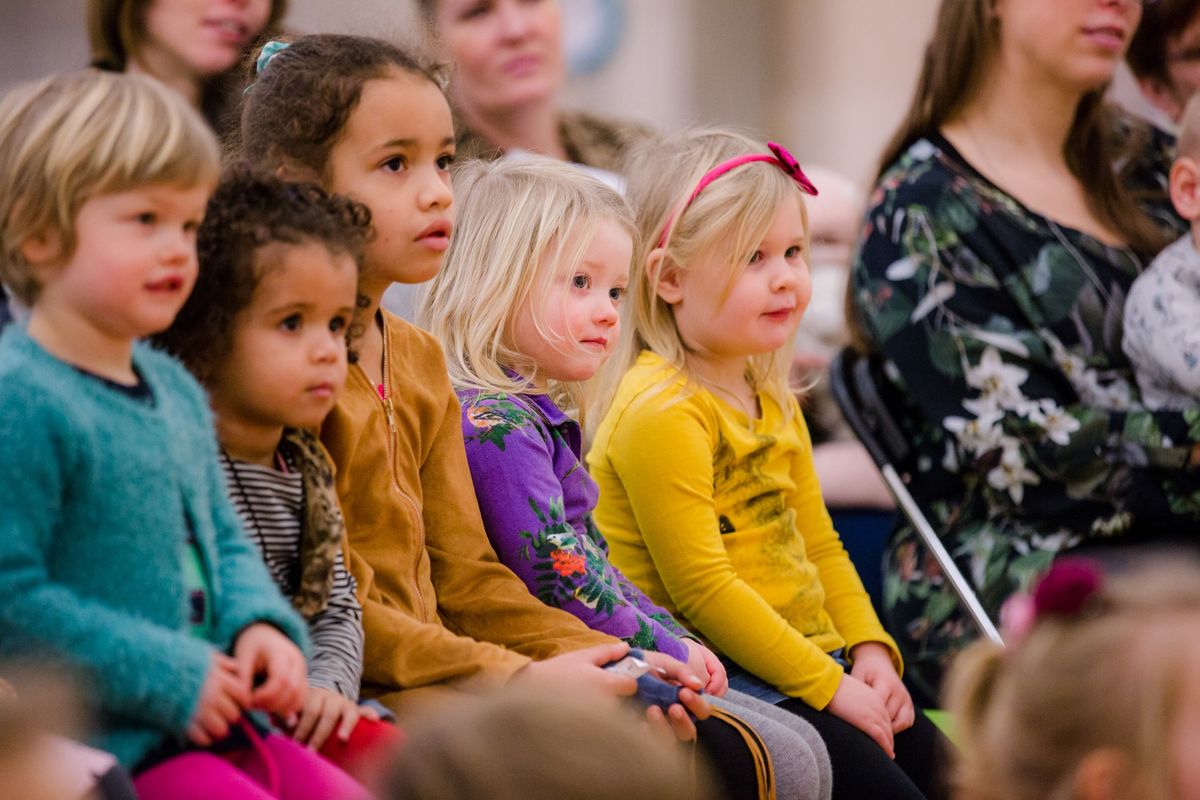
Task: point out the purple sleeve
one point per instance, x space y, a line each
512 454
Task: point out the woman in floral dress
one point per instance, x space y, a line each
1012 212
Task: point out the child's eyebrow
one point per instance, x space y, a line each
449 140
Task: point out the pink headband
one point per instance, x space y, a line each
780 157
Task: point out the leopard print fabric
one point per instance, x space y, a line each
323 527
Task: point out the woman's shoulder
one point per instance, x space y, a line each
602 142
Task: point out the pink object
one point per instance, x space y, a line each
370 743
296 772
1067 587
779 156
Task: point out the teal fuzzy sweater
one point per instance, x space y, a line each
95 491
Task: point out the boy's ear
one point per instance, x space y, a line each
42 249
1102 775
1185 188
665 276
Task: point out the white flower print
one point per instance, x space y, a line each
978 435
1010 474
996 380
1058 424
979 548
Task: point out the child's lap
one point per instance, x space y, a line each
242 774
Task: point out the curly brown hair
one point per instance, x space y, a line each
248 212
298 104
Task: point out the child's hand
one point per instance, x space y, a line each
873 666
222 698
707 667
583 670
262 651
323 710
676 723
858 704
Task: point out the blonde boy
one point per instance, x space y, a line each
1162 312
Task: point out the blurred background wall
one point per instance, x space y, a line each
828 77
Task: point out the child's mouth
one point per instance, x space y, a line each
166 285
436 236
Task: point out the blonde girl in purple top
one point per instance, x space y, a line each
526 307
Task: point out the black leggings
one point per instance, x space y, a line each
860 767
731 760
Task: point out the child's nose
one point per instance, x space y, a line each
604 310
435 191
515 20
328 346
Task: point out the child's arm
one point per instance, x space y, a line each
337 638
464 565
663 454
846 600
511 456
127 658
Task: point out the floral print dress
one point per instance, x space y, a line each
536 499
1004 330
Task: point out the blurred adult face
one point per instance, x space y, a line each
206 37
1075 43
507 53
1183 72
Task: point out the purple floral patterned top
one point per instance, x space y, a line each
537 498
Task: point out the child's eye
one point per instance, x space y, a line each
291 323
755 257
444 161
793 252
476 10
394 164
616 293
147 218
581 282
337 324
191 226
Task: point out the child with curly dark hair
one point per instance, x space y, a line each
265 330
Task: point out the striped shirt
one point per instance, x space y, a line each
270 503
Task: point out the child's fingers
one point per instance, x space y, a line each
694 703
658 725
367 712
350 717
326 722
197 736
616 685
308 717
681 724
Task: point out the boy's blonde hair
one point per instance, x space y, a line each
724 225
77 135
1109 678
517 220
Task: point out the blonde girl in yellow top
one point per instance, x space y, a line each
708 495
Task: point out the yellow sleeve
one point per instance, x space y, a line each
846 601
663 455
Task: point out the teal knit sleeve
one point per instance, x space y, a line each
246 593
134 668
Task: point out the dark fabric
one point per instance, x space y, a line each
115 785
5 313
861 769
730 759
1002 329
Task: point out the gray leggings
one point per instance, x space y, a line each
802 769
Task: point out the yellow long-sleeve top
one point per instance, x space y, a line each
720 520
440 612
